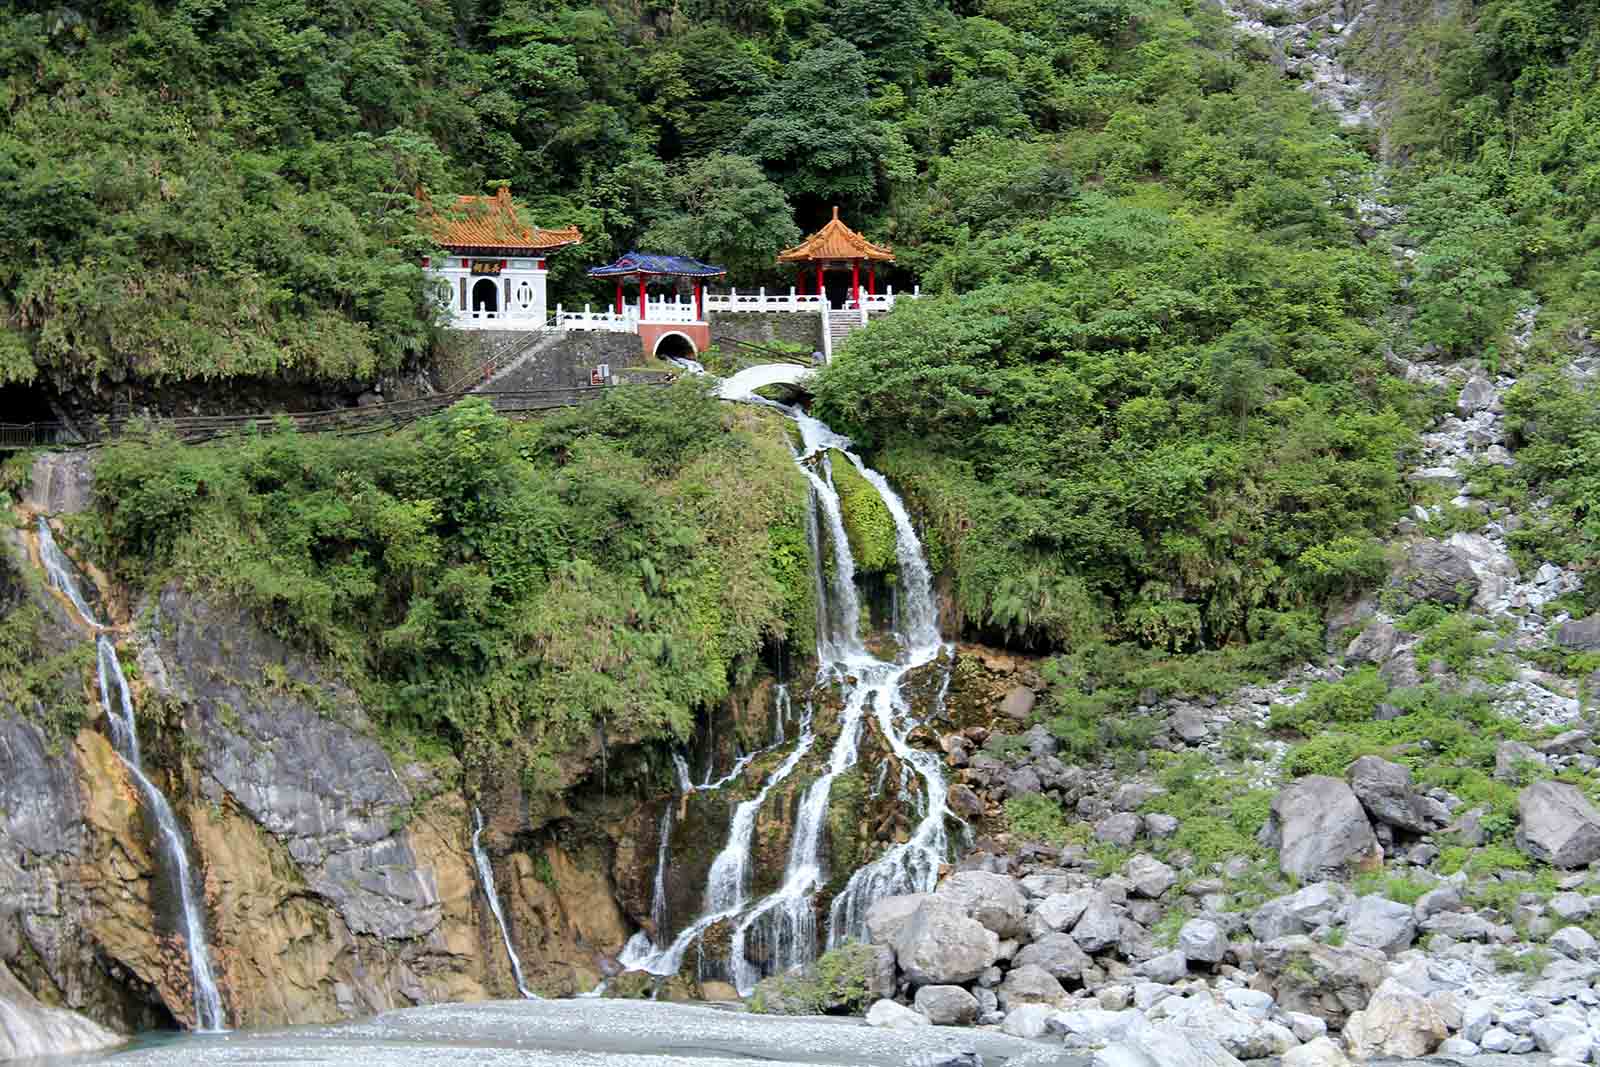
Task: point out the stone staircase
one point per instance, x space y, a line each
512 358
842 324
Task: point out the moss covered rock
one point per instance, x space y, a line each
867 522
840 983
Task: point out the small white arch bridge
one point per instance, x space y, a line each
743 386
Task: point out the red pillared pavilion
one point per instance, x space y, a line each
838 247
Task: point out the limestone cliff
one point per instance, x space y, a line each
337 875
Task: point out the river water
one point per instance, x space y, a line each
578 1033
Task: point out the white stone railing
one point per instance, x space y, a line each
607 321
514 319
672 310
761 300
792 301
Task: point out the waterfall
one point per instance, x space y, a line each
681 765
725 886
658 895
782 926
169 840
125 738
486 878
58 570
208 1014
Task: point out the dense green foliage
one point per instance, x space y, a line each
505 587
1154 404
1147 401
1495 116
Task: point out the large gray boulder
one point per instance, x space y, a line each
1029 984
941 945
1297 913
1058 954
1149 877
1029 1021
1477 395
1320 830
892 1016
30 1030
1169 968
1059 911
1241 1033
1088 1027
946 1005
1396 1022
1024 781
1580 635
1018 704
1385 791
992 899
885 917
1119 828
1575 943
1318 1052
1321 980
1202 941
1099 927
1559 825
1165 1046
1375 644
1438 572
1385 925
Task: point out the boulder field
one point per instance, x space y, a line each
1046 948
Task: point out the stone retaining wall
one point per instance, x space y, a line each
762 328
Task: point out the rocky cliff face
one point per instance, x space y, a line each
337 875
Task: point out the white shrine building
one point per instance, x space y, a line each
494 265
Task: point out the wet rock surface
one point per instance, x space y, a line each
29 1030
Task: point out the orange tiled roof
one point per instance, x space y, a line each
835 241
491 222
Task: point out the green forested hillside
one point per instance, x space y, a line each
506 589
1151 395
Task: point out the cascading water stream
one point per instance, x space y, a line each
726 884
59 572
169 840
208 1013
486 878
681 765
783 924
658 894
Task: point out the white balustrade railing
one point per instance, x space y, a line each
607 321
671 310
793 301
483 319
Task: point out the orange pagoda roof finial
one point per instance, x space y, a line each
836 241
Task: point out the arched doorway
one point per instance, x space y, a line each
675 346
486 295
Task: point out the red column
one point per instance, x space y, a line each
641 297
822 290
872 279
699 302
619 298
800 281
855 281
